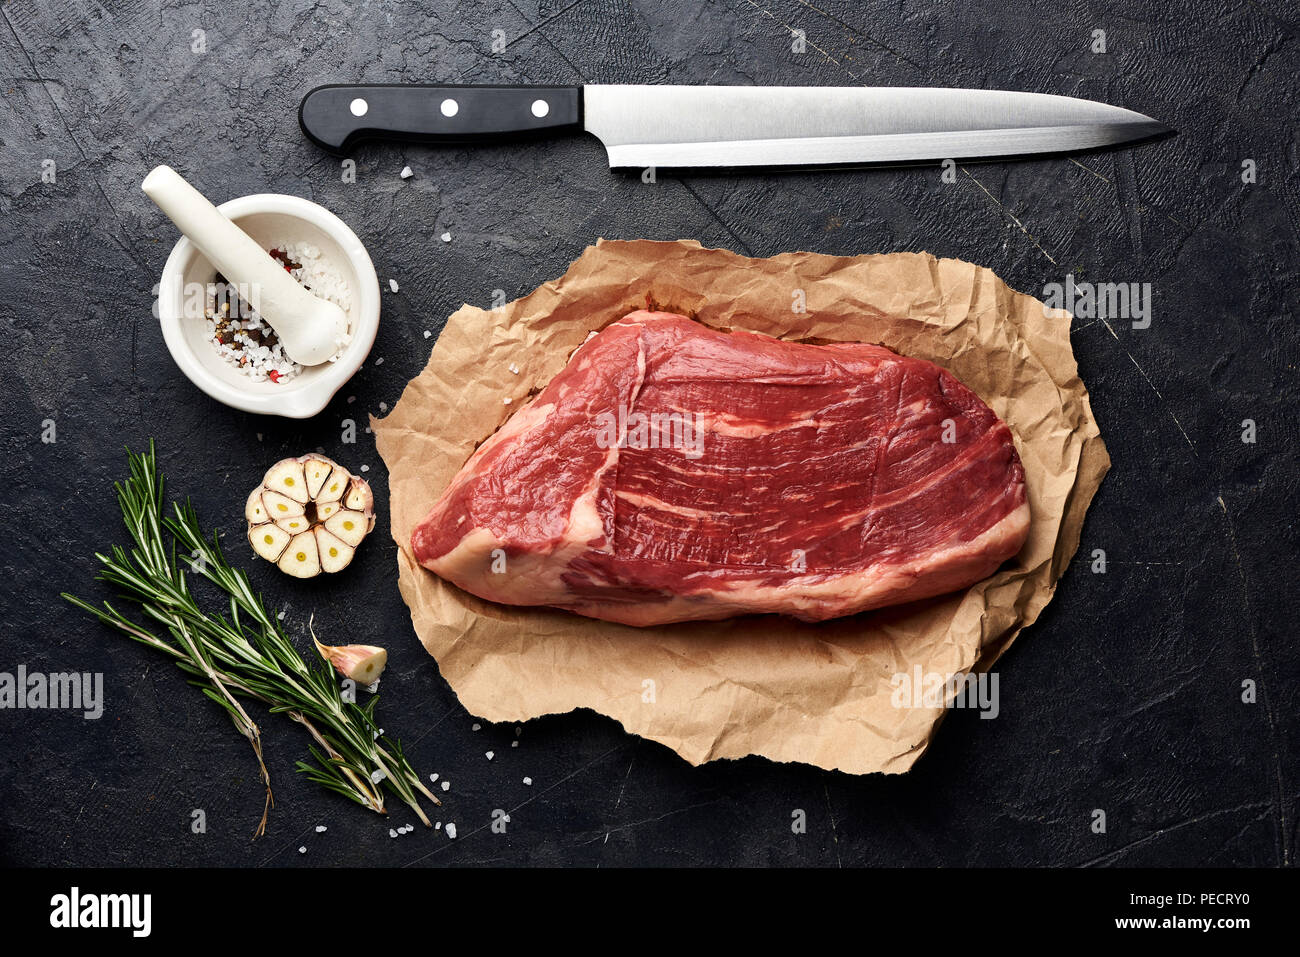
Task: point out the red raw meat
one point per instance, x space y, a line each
673 472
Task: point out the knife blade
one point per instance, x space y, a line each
727 126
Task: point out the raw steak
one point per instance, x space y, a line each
673 472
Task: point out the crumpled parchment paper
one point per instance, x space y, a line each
814 693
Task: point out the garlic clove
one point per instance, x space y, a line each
301 559
253 510
280 506
293 525
317 469
326 510
362 663
287 478
349 526
268 540
335 554
359 497
334 487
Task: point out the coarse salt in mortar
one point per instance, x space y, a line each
246 340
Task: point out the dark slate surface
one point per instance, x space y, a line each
1126 696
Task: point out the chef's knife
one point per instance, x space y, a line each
701 126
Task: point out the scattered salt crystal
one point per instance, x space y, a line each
377 775
438 826
371 689
514 744
451 830
406 172
392 832
280 616
259 436
446 237
379 361
321 828
365 468
351 399
427 334
476 726
506 400
489 754
433 779
446 785
528 781
383 407
302 850
514 368
518 730
392 284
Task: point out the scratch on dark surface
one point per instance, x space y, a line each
1141 206
712 212
533 28
537 26
1240 831
1106 671
1158 699
124 242
80 811
1089 169
1271 15
1120 851
1279 797
430 729
522 804
1261 58
835 833
542 33
1006 212
622 788
866 36
628 774
295 842
1163 401
135 693
632 825
829 59
1086 325
1126 181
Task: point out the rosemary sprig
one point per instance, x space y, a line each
245 654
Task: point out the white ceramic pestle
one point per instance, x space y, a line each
310 329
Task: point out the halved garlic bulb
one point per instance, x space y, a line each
309 515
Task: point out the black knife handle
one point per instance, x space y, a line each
338 116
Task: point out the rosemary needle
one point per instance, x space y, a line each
242 654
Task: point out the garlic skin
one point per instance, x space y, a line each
362 663
309 515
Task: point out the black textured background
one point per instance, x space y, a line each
1126 696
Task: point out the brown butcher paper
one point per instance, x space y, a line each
822 694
